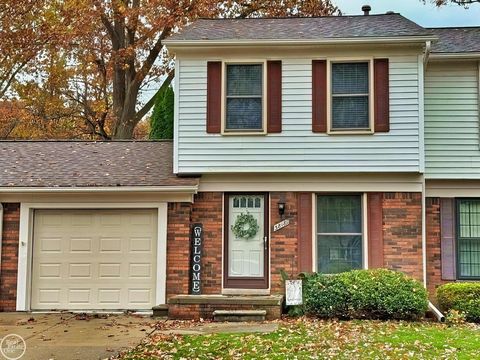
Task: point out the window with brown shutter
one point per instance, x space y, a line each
274 96
214 97
350 97
382 95
319 96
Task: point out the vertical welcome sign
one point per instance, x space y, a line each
196 259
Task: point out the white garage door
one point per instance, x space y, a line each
94 259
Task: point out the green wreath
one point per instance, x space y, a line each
246 226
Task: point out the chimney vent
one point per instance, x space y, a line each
366 9
390 12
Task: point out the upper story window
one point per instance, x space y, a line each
350 108
244 98
468 239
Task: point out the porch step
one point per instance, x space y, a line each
207 307
160 311
239 315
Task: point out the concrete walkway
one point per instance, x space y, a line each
70 337
67 336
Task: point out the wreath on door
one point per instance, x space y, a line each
246 226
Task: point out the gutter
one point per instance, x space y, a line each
273 42
463 55
112 189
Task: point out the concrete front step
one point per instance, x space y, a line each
239 315
204 306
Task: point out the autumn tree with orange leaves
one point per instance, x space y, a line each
94 63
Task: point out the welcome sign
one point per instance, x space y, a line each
196 259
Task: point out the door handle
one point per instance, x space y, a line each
265 239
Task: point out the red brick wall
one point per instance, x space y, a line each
283 243
8 276
402 233
434 260
178 248
207 209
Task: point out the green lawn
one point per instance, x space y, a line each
307 339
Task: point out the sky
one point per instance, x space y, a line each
426 15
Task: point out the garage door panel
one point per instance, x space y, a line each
94 259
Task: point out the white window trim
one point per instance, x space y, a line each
224 98
364 229
371 96
24 274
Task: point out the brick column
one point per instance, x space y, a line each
10 240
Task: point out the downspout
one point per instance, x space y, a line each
440 317
426 55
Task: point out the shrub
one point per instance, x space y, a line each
365 294
325 296
462 297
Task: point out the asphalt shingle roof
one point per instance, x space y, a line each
456 40
88 164
296 28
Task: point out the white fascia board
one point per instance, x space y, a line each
279 42
120 189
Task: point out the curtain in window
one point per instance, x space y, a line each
244 97
339 233
350 89
468 241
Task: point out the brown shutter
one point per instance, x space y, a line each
375 230
274 96
214 96
304 232
382 95
447 234
319 96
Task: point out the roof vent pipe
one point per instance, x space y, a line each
366 9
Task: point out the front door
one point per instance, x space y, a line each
246 241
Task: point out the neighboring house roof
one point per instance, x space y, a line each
298 28
66 164
457 40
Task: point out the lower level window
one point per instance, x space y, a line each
468 239
339 233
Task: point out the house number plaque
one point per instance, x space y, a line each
281 225
196 259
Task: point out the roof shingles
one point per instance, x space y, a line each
298 28
457 40
88 164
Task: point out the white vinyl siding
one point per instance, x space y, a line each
452 143
297 148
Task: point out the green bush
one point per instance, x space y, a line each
365 294
462 297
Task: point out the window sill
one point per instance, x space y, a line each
350 132
243 133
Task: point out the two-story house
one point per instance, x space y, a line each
301 144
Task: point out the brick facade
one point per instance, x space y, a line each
434 260
402 233
8 275
283 243
207 209
178 248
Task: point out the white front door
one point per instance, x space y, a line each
247 242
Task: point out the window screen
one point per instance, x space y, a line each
468 239
339 233
350 93
244 97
